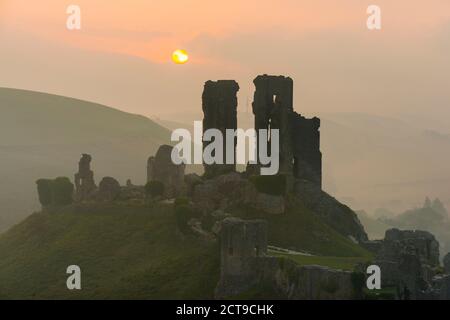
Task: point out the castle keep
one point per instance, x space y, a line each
299 155
219 104
272 107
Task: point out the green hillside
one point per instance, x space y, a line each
135 251
124 252
301 229
43 135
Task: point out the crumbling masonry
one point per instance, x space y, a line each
273 107
84 178
242 244
219 103
299 137
161 168
299 143
245 265
305 137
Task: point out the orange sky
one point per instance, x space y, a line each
152 29
121 55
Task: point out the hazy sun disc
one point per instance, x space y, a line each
180 56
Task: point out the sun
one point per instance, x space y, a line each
180 56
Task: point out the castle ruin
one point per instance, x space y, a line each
84 178
246 265
272 107
299 153
219 104
243 242
161 168
305 137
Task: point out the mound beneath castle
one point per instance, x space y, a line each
132 245
269 197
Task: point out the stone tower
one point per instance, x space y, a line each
219 103
84 178
299 143
273 107
306 149
161 168
242 243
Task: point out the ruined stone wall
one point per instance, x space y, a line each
309 282
408 261
273 107
421 243
242 243
108 189
300 154
245 266
84 179
306 149
161 168
219 103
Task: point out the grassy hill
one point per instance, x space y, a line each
128 251
301 229
124 252
43 135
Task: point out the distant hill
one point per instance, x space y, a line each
375 228
43 135
380 162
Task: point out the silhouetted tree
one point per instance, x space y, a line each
62 191
154 188
439 207
44 188
427 203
